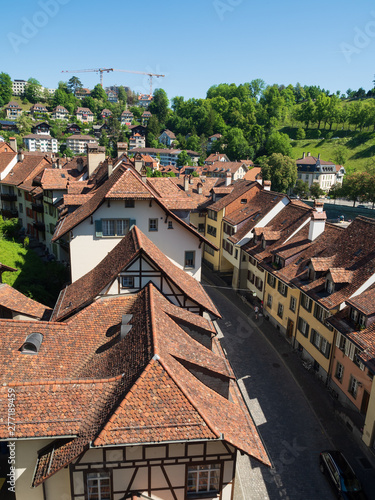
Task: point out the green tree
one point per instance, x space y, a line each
353 187
122 95
33 90
321 108
99 93
340 155
5 88
183 159
237 146
280 170
306 112
316 191
160 105
74 84
278 142
300 134
301 188
24 124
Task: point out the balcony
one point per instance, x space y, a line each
40 226
8 197
37 208
9 213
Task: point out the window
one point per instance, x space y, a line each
271 280
250 276
152 224
189 259
252 261
330 286
243 201
127 282
339 371
20 208
98 486
203 478
306 302
129 203
209 250
303 327
320 313
280 310
353 386
320 343
236 253
269 301
211 214
293 304
112 227
259 283
227 246
201 228
211 230
228 229
362 320
282 288
170 224
354 314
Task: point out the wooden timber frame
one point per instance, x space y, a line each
160 469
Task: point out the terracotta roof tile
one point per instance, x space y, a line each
16 301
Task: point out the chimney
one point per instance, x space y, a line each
228 179
13 143
200 187
110 166
317 224
95 155
80 164
122 148
20 155
318 206
138 163
186 183
191 180
267 185
318 156
303 155
308 154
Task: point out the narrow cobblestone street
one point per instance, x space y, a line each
293 431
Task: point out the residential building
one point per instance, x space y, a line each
211 141
214 157
38 109
72 128
167 138
106 113
85 115
144 100
141 356
82 93
13 110
60 113
41 142
18 87
137 141
42 128
146 115
122 201
222 168
312 169
77 143
8 125
126 118
167 156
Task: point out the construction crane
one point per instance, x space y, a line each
109 70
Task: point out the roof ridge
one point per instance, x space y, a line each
64 382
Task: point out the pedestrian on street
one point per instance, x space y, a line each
256 311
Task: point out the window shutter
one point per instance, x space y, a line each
347 347
351 352
328 350
132 223
98 228
312 337
338 338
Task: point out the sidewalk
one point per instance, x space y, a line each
324 406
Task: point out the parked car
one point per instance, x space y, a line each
341 476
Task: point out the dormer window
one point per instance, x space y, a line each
354 315
311 274
362 321
264 244
330 286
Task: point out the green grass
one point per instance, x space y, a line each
25 107
34 278
359 147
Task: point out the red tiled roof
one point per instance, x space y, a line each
16 301
85 289
24 171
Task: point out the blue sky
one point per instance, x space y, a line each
196 44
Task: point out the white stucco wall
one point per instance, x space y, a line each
87 250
